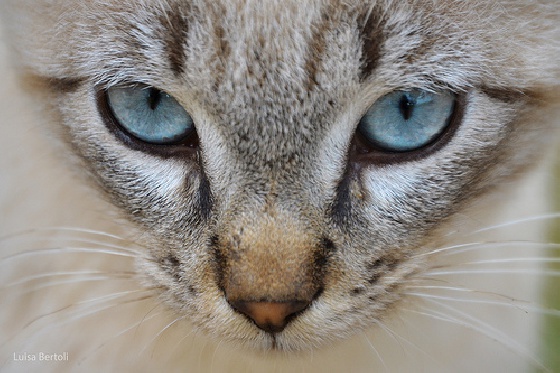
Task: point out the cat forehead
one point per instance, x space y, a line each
222 47
112 42
252 30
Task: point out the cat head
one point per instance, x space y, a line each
283 162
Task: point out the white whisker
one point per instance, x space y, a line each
160 333
79 316
381 360
490 332
93 232
182 340
486 245
67 250
498 336
455 248
550 216
524 308
398 338
546 260
126 245
97 275
214 354
116 336
464 290
89 303
495 271
437 316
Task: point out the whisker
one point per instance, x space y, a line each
160 333
550 216
490 332
499 337
145 317
376 353
398 338
183 339
485 245
214 354
448 248
77 316
61 229
465 290
67 250
123 243
526 308
391 333
74 281
102 299
438 316
116 336
546 260
494 271
97 275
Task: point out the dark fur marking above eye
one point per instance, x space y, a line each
176 31
503 94
64 85
317 49
370 27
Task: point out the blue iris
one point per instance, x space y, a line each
149 114
407 120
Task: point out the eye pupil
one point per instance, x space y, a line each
406 106
154 98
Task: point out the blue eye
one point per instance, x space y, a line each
149 114
407 120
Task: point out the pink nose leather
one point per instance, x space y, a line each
271 317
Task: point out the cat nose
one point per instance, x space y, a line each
271 317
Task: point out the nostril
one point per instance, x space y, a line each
271 317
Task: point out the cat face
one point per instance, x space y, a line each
285 167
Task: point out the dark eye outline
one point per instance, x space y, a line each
188 146
364 152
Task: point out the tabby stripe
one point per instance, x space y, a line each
317 49
63 85
370 27
176 31
510 96
33 82
341 209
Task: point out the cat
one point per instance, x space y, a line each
274 186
